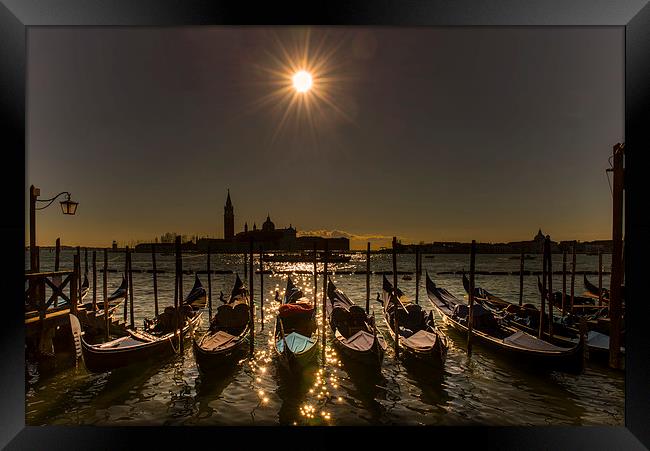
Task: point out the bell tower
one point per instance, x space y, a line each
228 219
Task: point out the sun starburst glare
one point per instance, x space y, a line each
303 81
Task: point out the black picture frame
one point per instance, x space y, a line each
17 16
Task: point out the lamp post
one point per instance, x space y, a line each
68 207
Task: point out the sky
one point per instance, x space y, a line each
427 134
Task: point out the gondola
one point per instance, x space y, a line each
507 339
197 296
355 334
419 339
227 336
114 300
138 346
582 305
592 290
296 332
526 317
523 317
488 298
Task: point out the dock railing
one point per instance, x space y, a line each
54 283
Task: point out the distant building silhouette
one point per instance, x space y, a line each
228 219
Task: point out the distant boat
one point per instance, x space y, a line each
407 277
526 257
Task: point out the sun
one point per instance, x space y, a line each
302 81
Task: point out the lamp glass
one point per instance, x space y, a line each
69 207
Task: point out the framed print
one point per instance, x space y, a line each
302 222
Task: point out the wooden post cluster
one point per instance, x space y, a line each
394 293
252 299
155 279
470 310
262 286
107 320
94 281
368 279
209 288
521 278
616 278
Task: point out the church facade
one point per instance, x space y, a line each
268 237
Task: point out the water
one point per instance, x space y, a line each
484 389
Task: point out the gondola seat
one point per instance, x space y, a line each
231 319
296 342
483 318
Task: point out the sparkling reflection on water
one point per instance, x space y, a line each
484 389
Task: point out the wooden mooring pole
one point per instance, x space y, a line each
542 304
326 259
573 275
470 310
616 277
262 287
181 319
155 279
521 278
252 299
394 293
74 285
177 291
564 282
94 281
209 288
107 320
549 263
57 254
368 279
316 278
245 266
600 278
128 287
417 273
85 260
131 316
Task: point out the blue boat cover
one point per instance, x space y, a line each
297 343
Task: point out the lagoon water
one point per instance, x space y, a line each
485 389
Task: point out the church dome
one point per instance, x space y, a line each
268 225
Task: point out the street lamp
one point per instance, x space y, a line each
68 207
